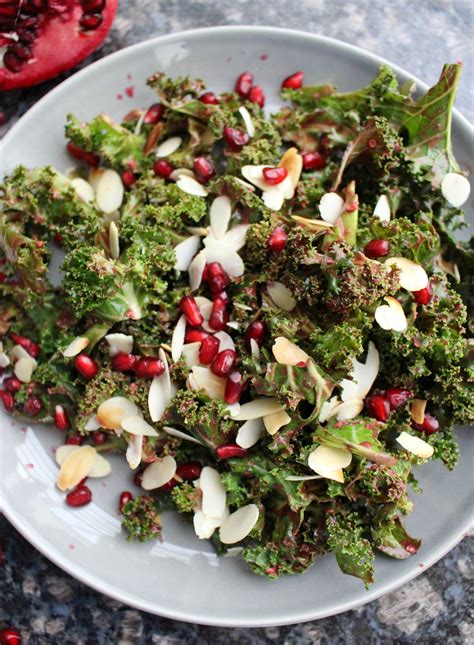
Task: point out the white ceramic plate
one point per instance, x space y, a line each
181 578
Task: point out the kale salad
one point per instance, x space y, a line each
265 314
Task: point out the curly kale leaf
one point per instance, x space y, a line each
353 551
141 519
186 498
390 536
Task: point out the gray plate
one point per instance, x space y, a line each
181 578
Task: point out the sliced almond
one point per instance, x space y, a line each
191 354
325 459
413 277
4 360
219 215
281 296
349 409
301 478
196 271
247 119
335 475
18 352
204 526
258 408
293 162
114 242
418 407
83 189
273 199
382 209
113 411
185 251
75 467
254 174
95 175
205 380
76 346
138 425
235 237
239 524
273 422
327 409
249 433
177 340
218 251
451 268
92 423
101 467
455 189
213 493
315 225
415 445
160 392
254 349
225 341
119 344
182 172
134 450
391 316
109 191
191 186
363 375
287 353
181 435
169 146
331 207
159 473
24 368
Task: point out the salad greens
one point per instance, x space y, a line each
266 315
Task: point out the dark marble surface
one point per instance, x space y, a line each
47 605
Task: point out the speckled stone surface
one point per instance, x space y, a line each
50 607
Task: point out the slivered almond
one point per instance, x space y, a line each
331 207
382 209
75 467
287 353
113 411
181 435
281 296
24 368
185 251
249 433
418 407
239 524
258 408
76 346
119 344
391 315
109 191
247 119
114 243
415 445
326 461
177 340
273 422
219 251
168 147
83 189
219 215
293 162
412 277
159 473
138 425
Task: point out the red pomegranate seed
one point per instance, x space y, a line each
2 277
91 21
219 314
89 158
256 95
74 440
153 114
378 407
223 362
93 6
235 138
195 335
122 362
209 98
293 82
163 168
189 471
216 277
430 424
80 496
148 367
204 168
313 161
61 420
166 488
423 297
376 248
274 176
99 437
125 497
208 350
223 295
10 636
233 387
230 451
190 309
32 406
11 384
8 400
243 84
137 478
32 348
255 331
128 178
86 366
398 396
277 239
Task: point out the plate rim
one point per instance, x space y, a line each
35 538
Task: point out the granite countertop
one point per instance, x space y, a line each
46 604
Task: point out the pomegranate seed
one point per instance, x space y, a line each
89 157
189 471
61 420
235 138
125 497
7 400
137 478
91 21
313 161
166 488
92 6
11 384
233 388
21 51
223 362
216 277
256 95
32 406
2 277
376 248
86 366
195 335
204 168
208 350
243 84
80 496
397 396
423 296
255 331
32 348
99 437
74 440
230 451
430 424
163 168
122 362
277 239
274 176
209 98
190 309
378 407
10 636
153 114
219 314
223 295
11 62
148 367
294 82
128 178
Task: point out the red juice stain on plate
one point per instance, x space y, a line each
119 97
229 59
29 466
422 566
130 91
21 429
263 56
129 76
72 546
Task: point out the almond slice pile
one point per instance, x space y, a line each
213 509
77 465
329 462
415 445
413 277
159 473
391 316
100 468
